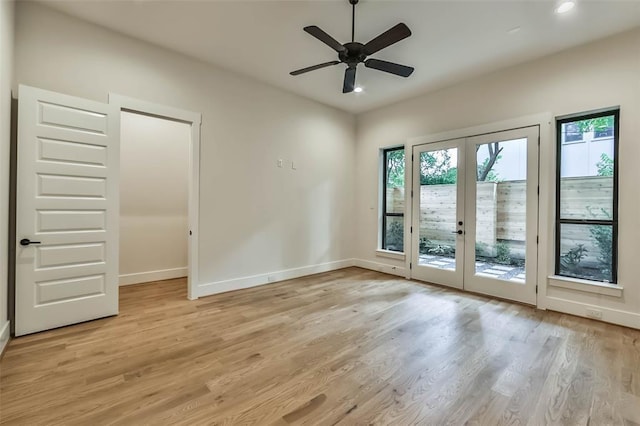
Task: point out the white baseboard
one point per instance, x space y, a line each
145 277
614 316
380 267
4 336
272 277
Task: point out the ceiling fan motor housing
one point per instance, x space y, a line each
353 55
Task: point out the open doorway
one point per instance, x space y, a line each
154 186
159 196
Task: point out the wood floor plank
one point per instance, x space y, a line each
345 347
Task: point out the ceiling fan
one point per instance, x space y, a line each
354 53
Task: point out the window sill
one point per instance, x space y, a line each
390 254
585 285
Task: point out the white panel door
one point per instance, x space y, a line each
67 210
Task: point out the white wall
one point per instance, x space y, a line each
568 82
255 218
6 69
154 173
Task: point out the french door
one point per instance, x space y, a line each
475 213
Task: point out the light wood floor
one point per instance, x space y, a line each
347 347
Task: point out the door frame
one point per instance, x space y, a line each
545 214
194 119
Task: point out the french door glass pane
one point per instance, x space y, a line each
586 251
501 206
438 208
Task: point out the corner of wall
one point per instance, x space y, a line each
7 17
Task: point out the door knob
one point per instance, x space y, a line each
25 242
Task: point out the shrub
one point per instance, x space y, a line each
394 238
442 250
572 258
503 253
603 238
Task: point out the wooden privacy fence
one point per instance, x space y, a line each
501 213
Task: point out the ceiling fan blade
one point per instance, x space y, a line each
390 67
349 80
325 38
314 67
387 38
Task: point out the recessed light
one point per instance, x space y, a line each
358 89
565 6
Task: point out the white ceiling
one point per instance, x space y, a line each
452 40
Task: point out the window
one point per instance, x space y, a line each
393 199
587 197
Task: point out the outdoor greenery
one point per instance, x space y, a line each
436 167
595 124
394 237
503 253
605 165
571 259
429 247
602 236
482 249
485 171
395 169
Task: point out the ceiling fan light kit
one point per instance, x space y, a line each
354 53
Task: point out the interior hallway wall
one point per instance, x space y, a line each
255 218
154 184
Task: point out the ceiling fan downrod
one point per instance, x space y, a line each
353 19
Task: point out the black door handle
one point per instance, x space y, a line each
459 232
26 242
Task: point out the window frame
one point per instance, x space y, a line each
615 112
385 152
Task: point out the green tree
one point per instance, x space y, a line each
595 124
395 169
485 171
605 165
436 168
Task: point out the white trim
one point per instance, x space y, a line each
195 119
546 207
586 285
145 277
208 289
499 126
4 336
614 316
381 267
390 254
590 112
